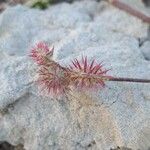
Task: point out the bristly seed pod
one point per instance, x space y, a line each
54 80
40 52
88 75
83 74
51 76
57 80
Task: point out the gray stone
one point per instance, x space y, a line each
146 50
117 115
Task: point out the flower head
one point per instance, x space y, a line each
51 75
53 79
88 74
57 79
40 52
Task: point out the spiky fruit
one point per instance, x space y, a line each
41 53
58 80
86 74
51 76
54 79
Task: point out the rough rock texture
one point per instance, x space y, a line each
146 50
115 116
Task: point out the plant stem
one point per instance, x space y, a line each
120 79
130 10
129 80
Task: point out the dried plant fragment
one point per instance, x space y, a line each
83 74
41 53
87 74
54 79
51 76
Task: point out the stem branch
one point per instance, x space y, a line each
130 10
129 80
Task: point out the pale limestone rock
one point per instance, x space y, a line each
115 116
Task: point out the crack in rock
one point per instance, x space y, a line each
6 146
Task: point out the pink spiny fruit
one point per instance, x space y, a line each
41 53
51 76
57 80
54 79
86 74
80 75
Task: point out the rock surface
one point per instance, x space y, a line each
117 115
146 50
